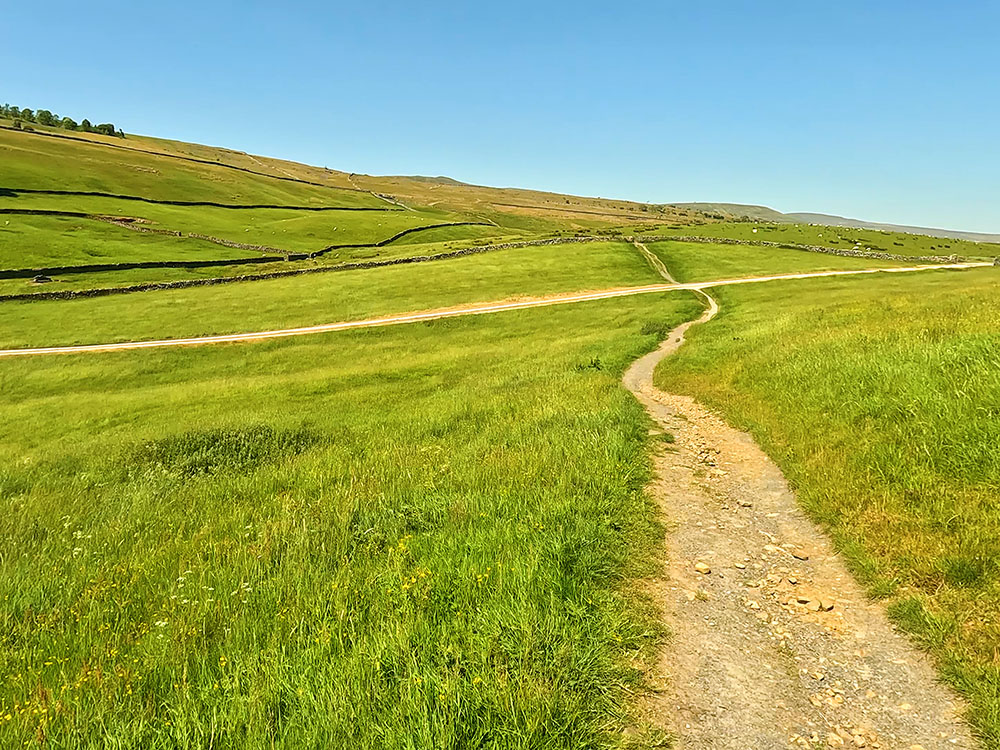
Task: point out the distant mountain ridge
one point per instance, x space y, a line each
763 213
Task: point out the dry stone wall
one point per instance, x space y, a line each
875 255
353 266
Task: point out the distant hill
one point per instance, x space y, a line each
840 221
763 213
736 210
441 180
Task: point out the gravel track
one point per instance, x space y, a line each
773 644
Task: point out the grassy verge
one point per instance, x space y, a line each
321 298
880 399
414 537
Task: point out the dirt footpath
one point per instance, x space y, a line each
773 643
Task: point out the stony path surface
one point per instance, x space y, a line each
654 261
773 644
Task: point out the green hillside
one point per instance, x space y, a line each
436 534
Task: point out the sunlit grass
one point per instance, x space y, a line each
299 231
409 537
324 298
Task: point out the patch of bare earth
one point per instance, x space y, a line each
773 643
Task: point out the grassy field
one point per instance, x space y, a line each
311 299
412 537
880 399
37 162
425 536
839 237
199 250
40 241
458 234
51 163
694 261
281 229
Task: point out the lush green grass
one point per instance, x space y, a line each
423 536
39 241
414 537
840 237
33 161
191 250
45 241
459 234
48 163
880 399
286 229
110 279
694 261
312 299
198 250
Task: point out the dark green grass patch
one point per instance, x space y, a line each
208 451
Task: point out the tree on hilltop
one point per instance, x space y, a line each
46 117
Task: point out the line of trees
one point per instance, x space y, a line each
45 117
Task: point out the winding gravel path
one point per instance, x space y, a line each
773 644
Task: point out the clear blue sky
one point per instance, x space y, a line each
879 110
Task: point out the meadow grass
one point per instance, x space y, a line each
844 238
132 277
40 241
695 261
268 165
417 537
458 234
424 536
880 399
48 163
201 250
322 298
286 229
